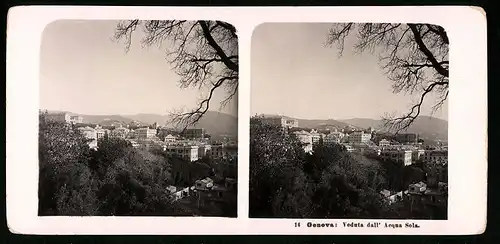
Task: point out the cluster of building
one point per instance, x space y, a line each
420 197
310 138
206 190
192 150
403 148
409 154
93 134
360 141
97 132
190 144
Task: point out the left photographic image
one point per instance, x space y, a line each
138 118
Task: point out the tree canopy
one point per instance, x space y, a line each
413 56
114 180
286 182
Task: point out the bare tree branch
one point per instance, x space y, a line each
227 61
339 36
186 119
229 27
204 54
413 56
427 52
402 123
125 30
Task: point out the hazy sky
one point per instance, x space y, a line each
84 71
294 74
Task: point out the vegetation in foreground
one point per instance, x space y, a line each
116 180
285 182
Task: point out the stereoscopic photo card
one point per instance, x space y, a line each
347 120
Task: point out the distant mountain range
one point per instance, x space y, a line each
427 127
215 123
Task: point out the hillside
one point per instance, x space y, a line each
430 127
321 124
105 119
97 119
363 122
426 126
149 118
217 123
214 123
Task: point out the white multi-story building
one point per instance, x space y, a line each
306 139
400 156
184 151
145 133
64 117
75 119
100 132
359 137
291 123
89 133
315 136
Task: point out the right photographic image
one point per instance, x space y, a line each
349 121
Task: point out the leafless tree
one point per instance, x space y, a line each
203 53
413 56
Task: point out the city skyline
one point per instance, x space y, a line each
84 71
291 65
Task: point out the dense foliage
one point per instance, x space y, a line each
285 182
114 180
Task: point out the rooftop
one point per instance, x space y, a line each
385 193
420 184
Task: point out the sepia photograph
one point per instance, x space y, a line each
125 120
349 120
138 118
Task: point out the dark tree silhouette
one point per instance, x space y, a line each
203 53
413 56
